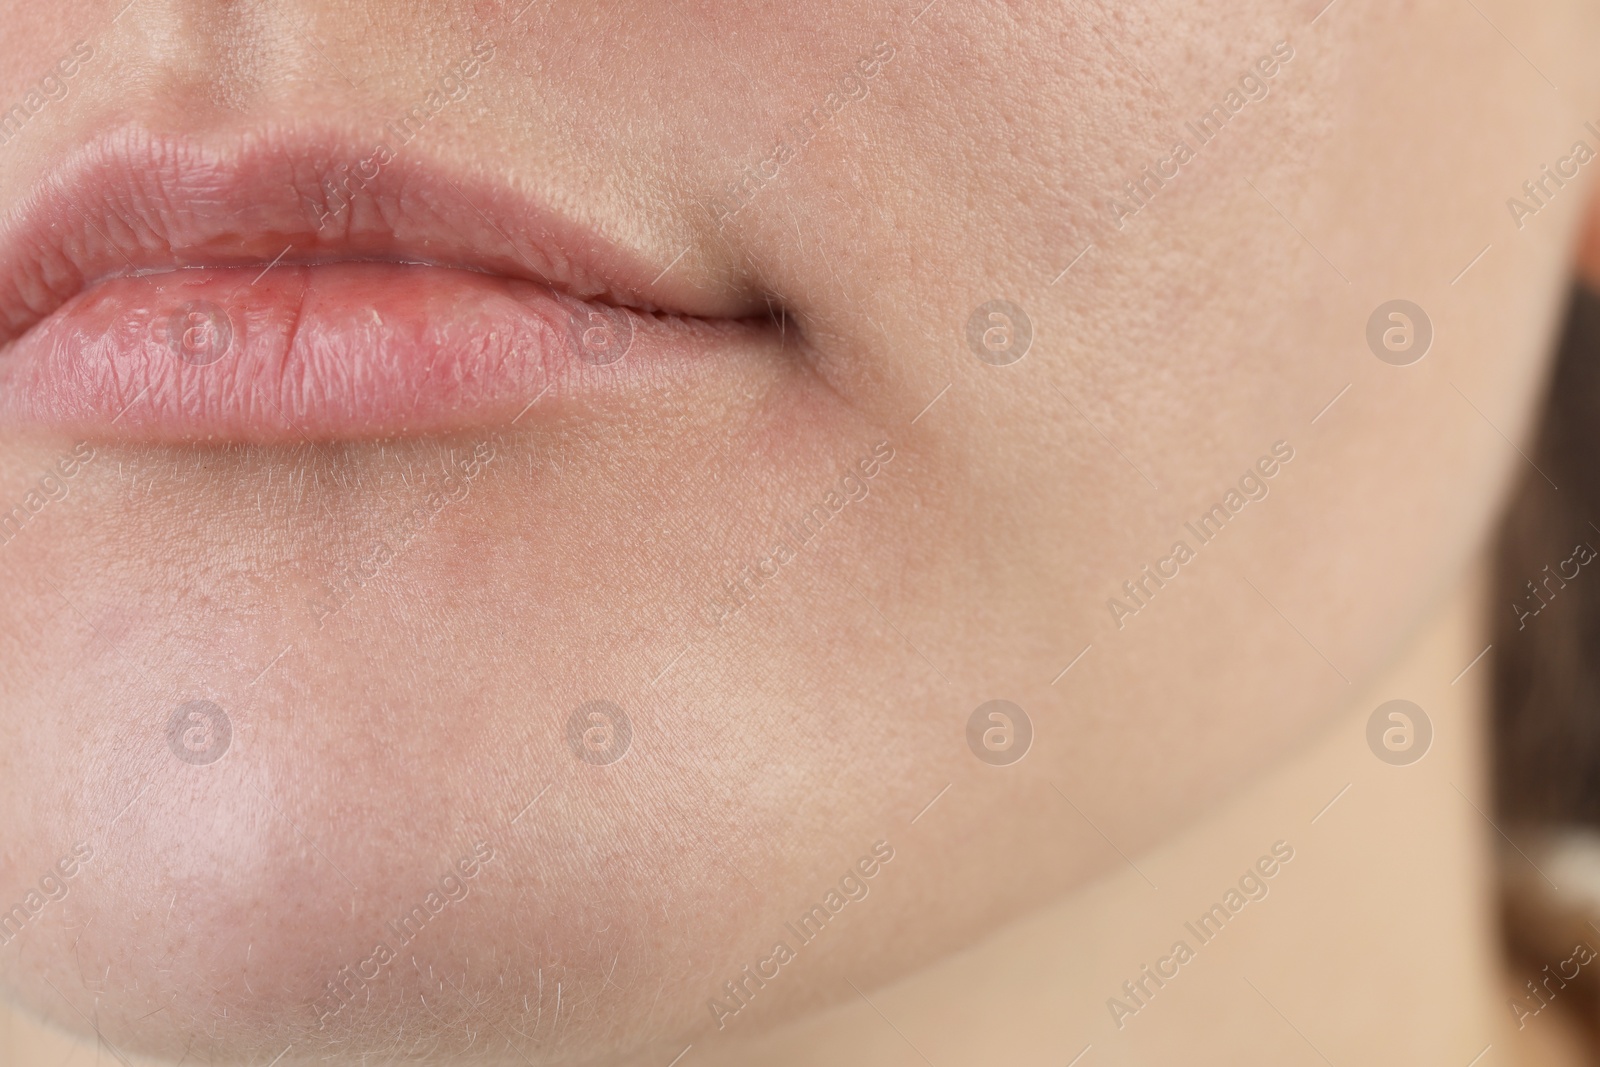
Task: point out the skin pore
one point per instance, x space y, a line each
779 737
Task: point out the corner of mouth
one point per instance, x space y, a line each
135 202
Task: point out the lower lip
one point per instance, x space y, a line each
327 352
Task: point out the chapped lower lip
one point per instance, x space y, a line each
343 350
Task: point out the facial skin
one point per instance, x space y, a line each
374 747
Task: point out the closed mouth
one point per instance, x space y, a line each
270 288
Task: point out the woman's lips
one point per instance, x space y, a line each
340 350
246 290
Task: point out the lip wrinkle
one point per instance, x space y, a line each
404 316
135 200
293 334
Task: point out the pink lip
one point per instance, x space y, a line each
162 290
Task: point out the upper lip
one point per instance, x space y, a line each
134 202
